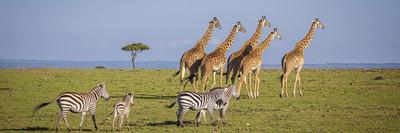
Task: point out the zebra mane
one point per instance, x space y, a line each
216 88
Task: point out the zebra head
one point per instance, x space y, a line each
130 96
103 92
232 90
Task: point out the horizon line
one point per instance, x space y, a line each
50 60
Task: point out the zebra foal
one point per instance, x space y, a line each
203 101
77 103
122 108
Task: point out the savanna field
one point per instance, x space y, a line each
334 101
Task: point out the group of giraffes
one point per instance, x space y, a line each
243 62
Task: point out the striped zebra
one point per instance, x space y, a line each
221 105
203 101
122 108
76 103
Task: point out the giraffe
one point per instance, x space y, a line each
252 63
215 60
191 59
295 59
236 58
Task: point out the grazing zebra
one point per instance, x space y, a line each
122 108
221 105
202 101
77 102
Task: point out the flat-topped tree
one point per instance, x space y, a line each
135 49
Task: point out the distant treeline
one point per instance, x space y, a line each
7 63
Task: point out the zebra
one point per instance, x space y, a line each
221 105
122 108
76 103
203 101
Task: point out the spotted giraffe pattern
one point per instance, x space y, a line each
215 60
192 58
236 58
294 60
252 63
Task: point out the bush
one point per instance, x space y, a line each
100 67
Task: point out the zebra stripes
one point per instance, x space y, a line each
76 103
202 101
122 108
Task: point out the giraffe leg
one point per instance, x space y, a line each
251 91
197 83
214 80
295 83
286 91
284 84
298 70
181 79
204 82
242 81
228 72
257 82
221 74
235 71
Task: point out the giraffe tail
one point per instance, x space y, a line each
179 71
181 63
283 66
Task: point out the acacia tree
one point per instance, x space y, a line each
135 49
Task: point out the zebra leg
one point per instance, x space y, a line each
223 112
211 110
113 122
66 122
198 119
121 118
127 123
80 124
203 113
94 119
181 115
58 121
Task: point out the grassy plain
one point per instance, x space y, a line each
334 101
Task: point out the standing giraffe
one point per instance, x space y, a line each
236 58
252 63
192 58
216 60
295 59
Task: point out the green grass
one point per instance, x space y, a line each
334 101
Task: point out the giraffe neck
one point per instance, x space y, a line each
265 44
255 38
224 46
306 40
206 37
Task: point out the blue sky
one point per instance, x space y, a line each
357 31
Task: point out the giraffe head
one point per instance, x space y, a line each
275 34
216 23
264 21
318 24
240 27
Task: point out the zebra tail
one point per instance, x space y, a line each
36 108
171 104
